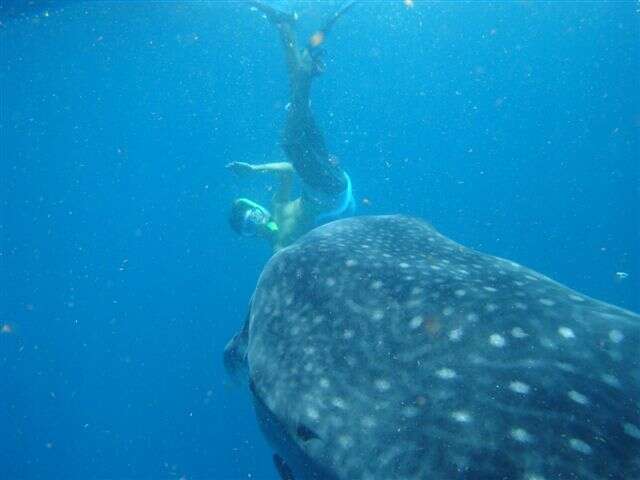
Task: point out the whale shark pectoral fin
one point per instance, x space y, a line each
283 469
235 353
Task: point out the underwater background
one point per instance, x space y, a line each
513 127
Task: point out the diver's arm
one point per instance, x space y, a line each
275 167
242 168
285 173
284 170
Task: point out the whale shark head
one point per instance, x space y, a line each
377 348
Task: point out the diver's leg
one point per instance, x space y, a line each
303 141
290 46
305 148
284 23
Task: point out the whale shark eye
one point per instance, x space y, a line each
305 433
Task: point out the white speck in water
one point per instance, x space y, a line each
455 335
610 380
472 317
578 397
566 332
533 476
415 322
565 367
580 446
631 430
446 373
521 435
382 385
338 403
519 387
518 332
461 416
616 336
497 340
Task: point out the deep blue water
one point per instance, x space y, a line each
513 127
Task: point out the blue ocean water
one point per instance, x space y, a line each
513 127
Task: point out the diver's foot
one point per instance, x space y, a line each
273 15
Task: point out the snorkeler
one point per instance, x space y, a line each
326 193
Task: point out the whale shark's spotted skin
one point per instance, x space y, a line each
409 356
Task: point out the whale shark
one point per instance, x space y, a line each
377 348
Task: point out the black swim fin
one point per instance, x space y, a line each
329 22
274 15
283 469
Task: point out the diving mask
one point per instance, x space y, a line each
255 217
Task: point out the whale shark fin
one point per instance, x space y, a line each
283 469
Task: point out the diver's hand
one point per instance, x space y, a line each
240 168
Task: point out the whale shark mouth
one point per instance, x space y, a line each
290 441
